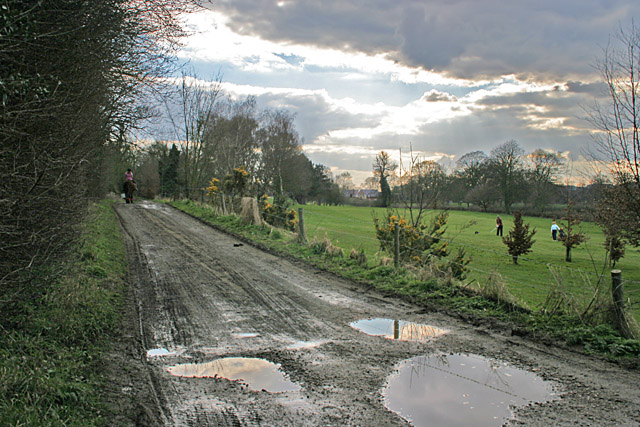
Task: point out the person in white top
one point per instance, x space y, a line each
554 230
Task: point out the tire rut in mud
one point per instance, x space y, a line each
202 296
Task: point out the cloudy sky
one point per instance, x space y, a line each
442 77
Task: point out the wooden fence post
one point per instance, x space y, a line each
302 234
396 247
624 322
617 290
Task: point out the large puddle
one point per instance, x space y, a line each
258 374
398 329
160 352
450 390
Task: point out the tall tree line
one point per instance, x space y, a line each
216 134
72 76
496 181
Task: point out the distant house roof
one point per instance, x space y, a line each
362 194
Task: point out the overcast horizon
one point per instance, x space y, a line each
442 79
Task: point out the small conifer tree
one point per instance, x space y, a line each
573 237
519 239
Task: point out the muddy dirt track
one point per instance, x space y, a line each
203 295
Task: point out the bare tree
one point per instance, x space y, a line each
344 181
232 137
279 143
472 167
383 168
422 186
542 172
506 168
616 124
196 105
471 171
484 195
371 183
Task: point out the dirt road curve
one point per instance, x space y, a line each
203 295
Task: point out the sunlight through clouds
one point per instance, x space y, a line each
212 40
442 78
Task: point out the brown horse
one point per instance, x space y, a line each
129 187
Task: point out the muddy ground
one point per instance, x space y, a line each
202 295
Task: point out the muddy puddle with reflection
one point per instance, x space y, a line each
160 352
258 374
245 335
397 329
458 389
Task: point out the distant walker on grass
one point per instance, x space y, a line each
499 226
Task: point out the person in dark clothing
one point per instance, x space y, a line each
498 226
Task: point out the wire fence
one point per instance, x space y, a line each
582 282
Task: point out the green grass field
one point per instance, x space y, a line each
530 281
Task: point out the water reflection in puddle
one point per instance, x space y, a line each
246 335
398 329
258 374
461 390
148 205
159 352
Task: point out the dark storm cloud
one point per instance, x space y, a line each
363 25
593 89
547 99
529 108
465 38
487 129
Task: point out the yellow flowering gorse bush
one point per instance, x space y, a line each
417 244
278 214
214 188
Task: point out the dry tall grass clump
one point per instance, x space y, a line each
335 251
359 256
435 268
324 246
386 261
494 289
560 300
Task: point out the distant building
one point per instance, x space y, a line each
362 194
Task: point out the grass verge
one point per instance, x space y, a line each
432 291
50 349
529 281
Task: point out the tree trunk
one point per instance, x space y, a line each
515 259
568 256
